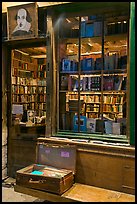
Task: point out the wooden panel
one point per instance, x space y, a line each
99 170
21 153
128 176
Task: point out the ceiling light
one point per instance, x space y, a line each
90 44
24 53
38 56
68 20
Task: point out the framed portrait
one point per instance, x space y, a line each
22 21
31 116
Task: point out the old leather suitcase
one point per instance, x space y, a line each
53 171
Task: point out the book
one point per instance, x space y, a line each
91 125
118 82
116 128
64 83
124 83
83 29
106 62
108 83
99 125
111 62
66 65
98 64
108 127
97 28
89 30
83 64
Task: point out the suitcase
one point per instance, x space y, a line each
53 171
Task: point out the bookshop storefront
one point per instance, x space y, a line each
71 81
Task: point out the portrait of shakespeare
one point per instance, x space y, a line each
23 23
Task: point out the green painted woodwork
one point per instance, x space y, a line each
79 7
107 7
88 136
132 72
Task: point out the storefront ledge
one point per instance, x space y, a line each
79 193
120 150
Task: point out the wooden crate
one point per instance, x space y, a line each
53 171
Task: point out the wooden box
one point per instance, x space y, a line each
53 171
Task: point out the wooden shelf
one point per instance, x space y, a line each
37 96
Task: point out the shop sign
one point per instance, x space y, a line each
22 21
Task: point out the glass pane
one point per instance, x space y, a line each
115 75
68 73
91 66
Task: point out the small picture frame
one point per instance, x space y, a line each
22 21
31 116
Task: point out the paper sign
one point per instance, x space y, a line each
17 109
47 151
64 154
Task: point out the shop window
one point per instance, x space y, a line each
93 57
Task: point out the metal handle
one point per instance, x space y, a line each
36 181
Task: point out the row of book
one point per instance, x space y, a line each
113 99
37 106
112 108
90 29
17 89
111 62
31 106
41 67
40 74
114 83
28 98
86 98
28 74
93 108
106 126
40 112
26 58
93 125
71 83
27 82
24 65
41 98
93 29
41 106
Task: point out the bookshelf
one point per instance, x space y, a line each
82 74
29 83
